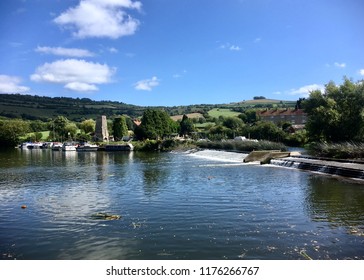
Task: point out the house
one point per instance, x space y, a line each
293 116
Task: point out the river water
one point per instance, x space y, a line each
182 205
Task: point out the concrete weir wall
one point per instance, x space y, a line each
344 169
265 156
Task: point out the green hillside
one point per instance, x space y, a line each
32 107
44 108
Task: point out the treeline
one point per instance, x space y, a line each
335 115
335 126
32 107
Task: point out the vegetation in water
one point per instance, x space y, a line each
243 146
344 150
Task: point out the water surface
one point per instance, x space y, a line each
204 205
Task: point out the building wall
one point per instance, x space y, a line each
284 115
101 132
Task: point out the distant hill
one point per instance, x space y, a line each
33 107
44 108
266 102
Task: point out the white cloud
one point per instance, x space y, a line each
77 86
78 75
361 72
179 75
235 48
230 47
340 65
71 52
257 40
10 84
147 84
113 50
100 18
305 90
118 3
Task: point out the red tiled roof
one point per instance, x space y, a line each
137 122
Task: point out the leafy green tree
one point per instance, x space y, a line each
336 115
71 130
83 137
11 131
63 129
186 126
59 128
37 126
155 124
219 132
267 131
88 126
129 123
249 116
119 128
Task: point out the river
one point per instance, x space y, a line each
181 205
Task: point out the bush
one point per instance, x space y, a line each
243 146
345 150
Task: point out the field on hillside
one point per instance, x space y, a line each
266 102
216 112
190 116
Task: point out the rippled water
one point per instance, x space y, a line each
204 205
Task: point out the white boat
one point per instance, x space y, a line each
56 146
24 145
37 145
68 147
87 147
31 145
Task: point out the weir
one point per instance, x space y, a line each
344 169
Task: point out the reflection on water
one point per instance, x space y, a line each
335 202
206 205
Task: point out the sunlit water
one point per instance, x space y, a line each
192 205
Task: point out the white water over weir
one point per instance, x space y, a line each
344 169
337 168
221 156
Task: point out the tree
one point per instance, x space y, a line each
70 130
258 97
11 131
186 126
155 124
234 124
119 128
37 126
63 129
249 116
59 127
336 115
88 126
267 131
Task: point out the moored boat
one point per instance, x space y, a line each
68 147
87 147
119 147
56 146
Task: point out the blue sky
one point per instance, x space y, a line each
179 52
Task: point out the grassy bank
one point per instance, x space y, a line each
172 145
163 145
243 146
